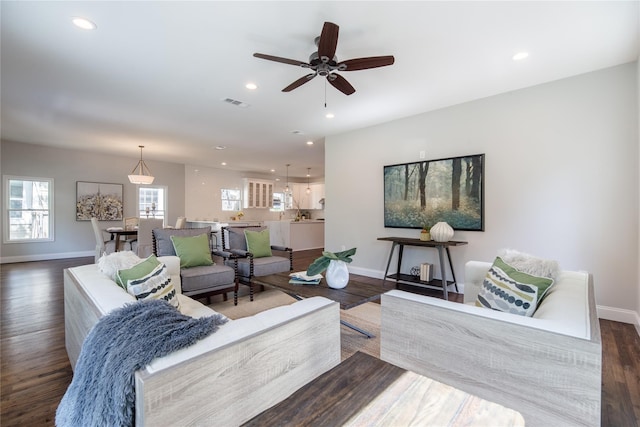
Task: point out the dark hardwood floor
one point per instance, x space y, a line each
35 370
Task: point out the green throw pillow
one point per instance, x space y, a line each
258 243
137 271
193 251
507 289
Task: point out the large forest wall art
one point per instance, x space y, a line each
420 194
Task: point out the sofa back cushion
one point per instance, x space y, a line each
163 246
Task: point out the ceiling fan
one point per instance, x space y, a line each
324 63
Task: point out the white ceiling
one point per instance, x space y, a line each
154 73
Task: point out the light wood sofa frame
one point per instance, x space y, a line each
552 379
234 381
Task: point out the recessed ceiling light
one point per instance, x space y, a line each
520 56
220 147
251 86
84 23
309 142
224 163
329 115
297 132
273 170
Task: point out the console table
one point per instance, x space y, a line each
442 247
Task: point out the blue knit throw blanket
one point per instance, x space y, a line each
102 391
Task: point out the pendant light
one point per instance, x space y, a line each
143 175
286 189
308 187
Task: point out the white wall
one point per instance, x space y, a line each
75 238
561 179
638 118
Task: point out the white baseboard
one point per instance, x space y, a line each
619 315
44 257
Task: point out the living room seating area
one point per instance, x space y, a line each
548 366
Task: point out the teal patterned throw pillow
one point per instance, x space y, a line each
509 290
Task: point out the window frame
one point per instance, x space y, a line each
223 200
7 209
142 212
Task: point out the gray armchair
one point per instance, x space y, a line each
249 266
203 280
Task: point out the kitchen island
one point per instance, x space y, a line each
297 235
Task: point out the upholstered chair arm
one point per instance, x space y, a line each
241 253
224 254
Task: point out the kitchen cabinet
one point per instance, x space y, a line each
258 193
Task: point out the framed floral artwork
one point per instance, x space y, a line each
100 200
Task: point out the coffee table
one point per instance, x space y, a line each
354 294
364 390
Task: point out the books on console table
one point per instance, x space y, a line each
301 278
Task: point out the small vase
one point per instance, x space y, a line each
441 232
337 274
425 236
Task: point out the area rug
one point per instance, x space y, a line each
365 316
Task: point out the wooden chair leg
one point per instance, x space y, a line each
224 296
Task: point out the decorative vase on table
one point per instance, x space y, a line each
425 236
337 274
441 232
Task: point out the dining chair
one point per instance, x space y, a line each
131 222
143 246
102 246
181 222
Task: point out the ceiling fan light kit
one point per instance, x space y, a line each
324 63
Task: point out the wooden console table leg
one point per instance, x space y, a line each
443 272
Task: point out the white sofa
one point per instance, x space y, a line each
548 367
247 366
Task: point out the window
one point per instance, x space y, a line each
152 202
231 200
278 202
29 209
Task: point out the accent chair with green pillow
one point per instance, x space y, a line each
242 241
199 276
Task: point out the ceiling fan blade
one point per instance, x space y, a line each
340 83
279 59
365 63
299 82
328 41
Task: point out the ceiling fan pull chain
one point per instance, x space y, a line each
325 93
